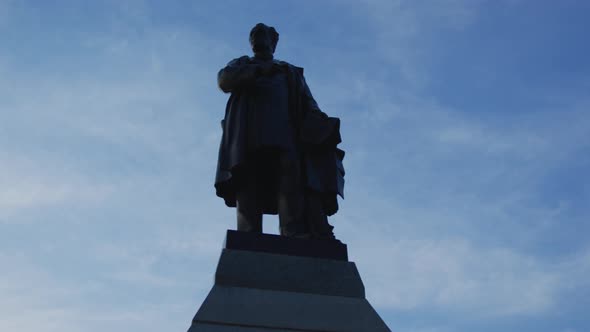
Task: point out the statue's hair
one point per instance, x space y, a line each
273 32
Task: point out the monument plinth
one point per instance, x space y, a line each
270 283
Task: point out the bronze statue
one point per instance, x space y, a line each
278 151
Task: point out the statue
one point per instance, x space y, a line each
278 151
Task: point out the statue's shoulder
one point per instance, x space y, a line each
292 67
239 61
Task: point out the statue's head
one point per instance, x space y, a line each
263 40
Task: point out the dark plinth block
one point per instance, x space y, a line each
277 286
249 269
275 244
250 307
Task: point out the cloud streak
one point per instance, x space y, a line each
108 154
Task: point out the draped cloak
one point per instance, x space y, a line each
316 137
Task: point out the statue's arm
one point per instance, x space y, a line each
310 103
236 74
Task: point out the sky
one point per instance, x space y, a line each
466 125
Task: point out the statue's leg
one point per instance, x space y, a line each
247 197
290 197
317 218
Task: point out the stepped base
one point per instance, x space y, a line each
259 291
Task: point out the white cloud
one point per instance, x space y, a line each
30 299
81 138
33 297
161 112
33 185
404 30
457 276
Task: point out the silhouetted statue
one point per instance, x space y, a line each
278 151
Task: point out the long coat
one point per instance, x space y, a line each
317 136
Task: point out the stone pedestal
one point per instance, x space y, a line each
268 283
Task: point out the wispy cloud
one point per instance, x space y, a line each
108 155
455 275
28 185
404 31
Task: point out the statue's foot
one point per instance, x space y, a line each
323 231
325 236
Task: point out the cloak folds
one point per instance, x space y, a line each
317 136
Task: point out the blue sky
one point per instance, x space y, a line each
466 126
